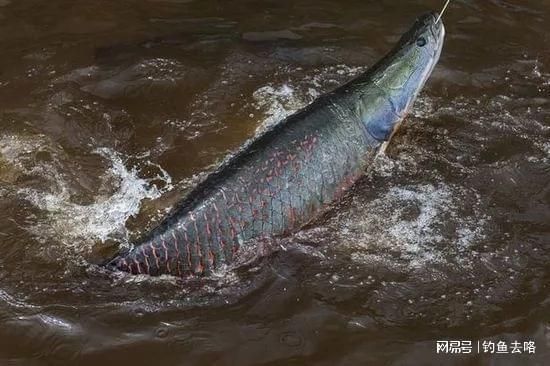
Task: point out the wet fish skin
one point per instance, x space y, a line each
288 175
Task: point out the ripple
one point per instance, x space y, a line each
270 35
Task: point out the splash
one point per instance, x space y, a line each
424 224
105 218
118 195
279 100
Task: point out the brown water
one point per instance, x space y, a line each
111 110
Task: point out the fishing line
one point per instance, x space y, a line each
442 11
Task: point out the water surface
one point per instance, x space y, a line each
111 111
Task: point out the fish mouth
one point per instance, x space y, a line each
439 36
434 23
438 31
429 21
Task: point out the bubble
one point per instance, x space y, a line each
291 339
162 332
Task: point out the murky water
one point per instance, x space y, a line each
111 111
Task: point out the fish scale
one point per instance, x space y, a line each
285 177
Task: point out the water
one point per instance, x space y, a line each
111 111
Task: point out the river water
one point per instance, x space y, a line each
111 110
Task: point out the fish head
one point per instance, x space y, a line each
399 77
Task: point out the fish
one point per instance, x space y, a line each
291 173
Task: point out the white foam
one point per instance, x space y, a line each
420 222
67 220
108 214
429 201
278 101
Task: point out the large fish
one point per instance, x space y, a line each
286 177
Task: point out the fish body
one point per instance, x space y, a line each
285 177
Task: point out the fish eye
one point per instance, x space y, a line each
421 42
